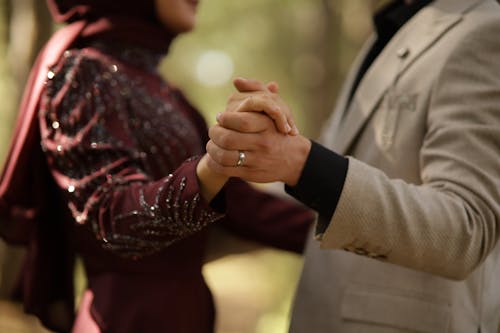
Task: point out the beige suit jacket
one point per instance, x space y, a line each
412 245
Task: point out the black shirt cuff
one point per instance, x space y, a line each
321 183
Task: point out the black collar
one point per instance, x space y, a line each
394 15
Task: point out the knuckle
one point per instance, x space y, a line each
234 97
222 119
269 122
214 133
248 102
211 133
265 144
214 154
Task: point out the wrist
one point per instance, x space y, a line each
210 181
299 152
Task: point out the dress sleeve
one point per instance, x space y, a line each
110 183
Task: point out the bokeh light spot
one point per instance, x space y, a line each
214 68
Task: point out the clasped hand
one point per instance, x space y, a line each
259 124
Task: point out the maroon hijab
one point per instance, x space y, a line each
73 10
130 21
31 210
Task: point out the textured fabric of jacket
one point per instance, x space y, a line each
413 243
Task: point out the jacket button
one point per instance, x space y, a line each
403 52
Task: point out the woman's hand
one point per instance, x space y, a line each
254 96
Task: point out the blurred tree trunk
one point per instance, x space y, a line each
320 101
29 27
342 28
24 26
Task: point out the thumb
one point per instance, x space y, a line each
249 85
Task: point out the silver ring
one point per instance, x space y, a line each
241 158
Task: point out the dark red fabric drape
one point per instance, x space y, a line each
31 211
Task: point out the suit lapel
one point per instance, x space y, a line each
331 127
411 41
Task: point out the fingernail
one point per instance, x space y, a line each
288 128
295 130
217 117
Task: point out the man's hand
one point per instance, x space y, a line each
269 155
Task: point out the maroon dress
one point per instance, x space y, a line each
120 148
120 143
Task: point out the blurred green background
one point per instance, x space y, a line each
304 45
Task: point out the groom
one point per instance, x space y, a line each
406 180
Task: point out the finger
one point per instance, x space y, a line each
245 122
237 98
228 158
248 85
223 170
263 103
273 87
232 140
291 122
218 154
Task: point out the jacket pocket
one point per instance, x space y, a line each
394 106
400 312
